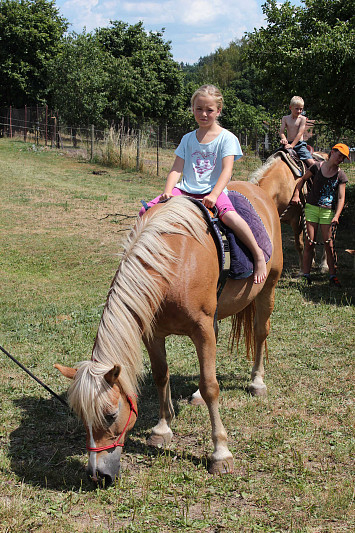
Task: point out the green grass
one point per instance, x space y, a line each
60 239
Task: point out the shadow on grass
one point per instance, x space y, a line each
48 448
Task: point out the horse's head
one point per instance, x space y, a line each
107 413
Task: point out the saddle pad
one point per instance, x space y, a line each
241 259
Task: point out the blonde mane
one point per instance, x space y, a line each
259 173
135 296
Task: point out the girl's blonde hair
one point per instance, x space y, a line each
208 90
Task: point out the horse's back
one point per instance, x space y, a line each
261 201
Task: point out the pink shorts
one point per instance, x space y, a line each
223 203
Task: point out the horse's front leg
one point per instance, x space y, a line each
161 433
204 339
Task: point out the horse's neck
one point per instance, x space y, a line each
279 183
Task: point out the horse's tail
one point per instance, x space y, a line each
245 320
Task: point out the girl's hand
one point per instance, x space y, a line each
209 201
335 221
295 199
283 141
165 196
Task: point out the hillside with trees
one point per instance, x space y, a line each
123 71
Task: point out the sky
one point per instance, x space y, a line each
195 28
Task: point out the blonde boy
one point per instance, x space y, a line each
295 124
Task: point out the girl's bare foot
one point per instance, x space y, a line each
259 268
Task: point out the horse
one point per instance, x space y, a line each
278 181
166 284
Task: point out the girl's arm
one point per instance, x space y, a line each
173 178
340 203
296 195
223 180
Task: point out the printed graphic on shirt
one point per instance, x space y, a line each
203 162
327 193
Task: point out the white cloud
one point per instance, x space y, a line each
194 27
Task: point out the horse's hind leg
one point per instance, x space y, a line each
205 341
161 434
298 238
263 309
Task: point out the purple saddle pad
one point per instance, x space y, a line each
241 259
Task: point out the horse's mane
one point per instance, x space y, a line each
136 294
259 173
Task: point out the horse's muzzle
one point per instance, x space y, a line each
105 469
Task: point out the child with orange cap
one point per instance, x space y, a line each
324 204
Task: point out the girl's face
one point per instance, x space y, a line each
337 157
205 111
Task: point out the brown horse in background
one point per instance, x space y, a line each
278 181
166 284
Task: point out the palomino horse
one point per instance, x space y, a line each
166 284
276 178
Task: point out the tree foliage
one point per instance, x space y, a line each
79 74
145 81
30 36
308 51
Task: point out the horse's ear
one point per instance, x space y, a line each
66 370
113 375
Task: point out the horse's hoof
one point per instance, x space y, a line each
196 399
259 390
224 466
159 441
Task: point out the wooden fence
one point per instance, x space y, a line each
125 144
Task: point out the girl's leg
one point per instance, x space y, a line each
326 230
241 229
308 247
174 192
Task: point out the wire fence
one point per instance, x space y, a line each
143 147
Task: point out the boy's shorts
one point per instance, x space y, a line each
318 215
223 203
302 151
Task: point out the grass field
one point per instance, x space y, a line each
62 223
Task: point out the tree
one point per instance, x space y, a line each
30 36
239 116
228 69
145 81
80 80
308 51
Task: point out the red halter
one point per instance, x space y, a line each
117 441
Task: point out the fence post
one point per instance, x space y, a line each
10 121
46 127
54 131
158 133
138 149
121 140
92 142
25 128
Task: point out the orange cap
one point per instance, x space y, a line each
343 149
